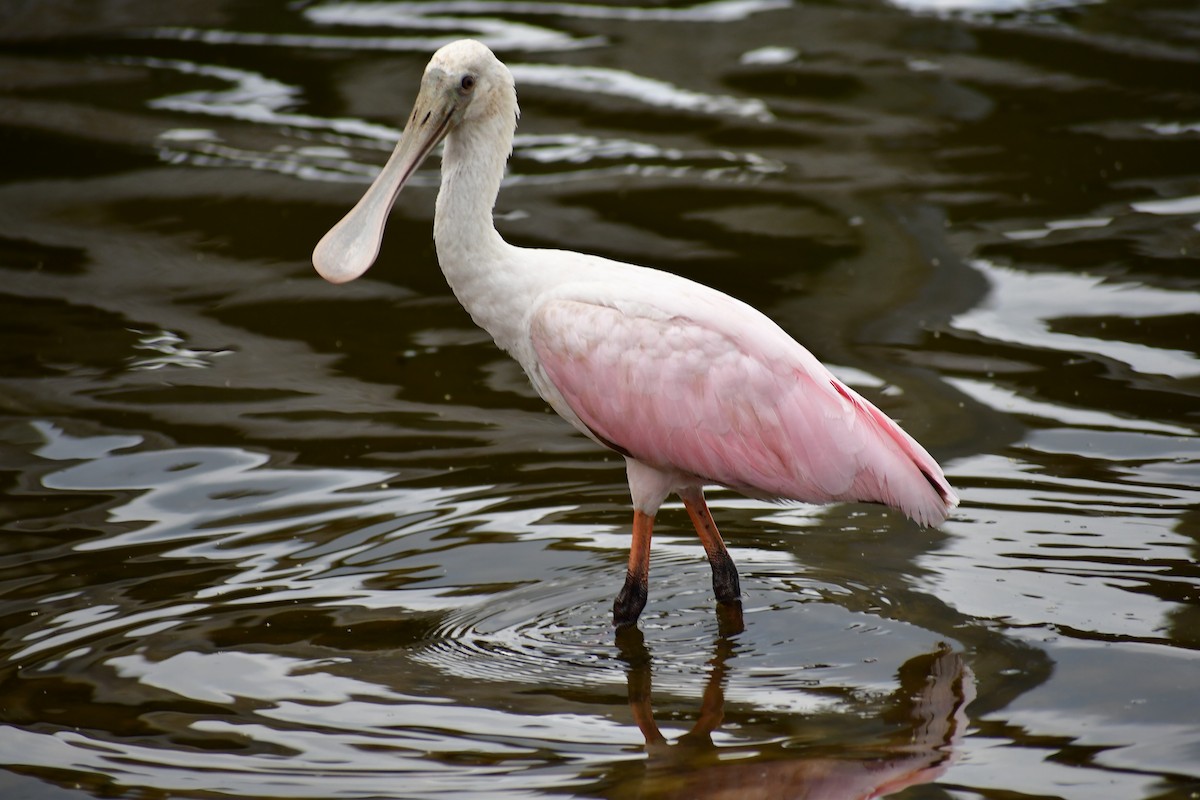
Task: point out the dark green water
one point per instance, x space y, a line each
263 537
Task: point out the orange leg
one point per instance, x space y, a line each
724 572
632 597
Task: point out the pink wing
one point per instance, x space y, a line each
708 400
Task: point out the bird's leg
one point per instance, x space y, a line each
724 572
632 597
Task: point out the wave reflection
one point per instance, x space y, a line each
326 143
409 14
258 630
1022 307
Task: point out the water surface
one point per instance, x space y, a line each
266 537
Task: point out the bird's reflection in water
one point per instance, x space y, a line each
926 716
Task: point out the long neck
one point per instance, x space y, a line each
472 167
477 262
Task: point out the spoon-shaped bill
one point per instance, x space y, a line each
351 246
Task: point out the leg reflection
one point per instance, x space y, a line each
927 716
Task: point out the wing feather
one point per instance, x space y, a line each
685 394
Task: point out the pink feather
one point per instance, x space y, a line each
707 399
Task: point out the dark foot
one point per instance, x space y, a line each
629 603
725 581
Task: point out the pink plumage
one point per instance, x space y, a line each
731 400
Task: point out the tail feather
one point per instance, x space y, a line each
927 499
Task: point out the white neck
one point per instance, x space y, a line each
472 167
478 264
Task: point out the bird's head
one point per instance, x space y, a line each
464 83
471 81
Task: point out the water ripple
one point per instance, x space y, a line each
408 14
622 83
1021 307
324 154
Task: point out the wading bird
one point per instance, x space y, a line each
691 386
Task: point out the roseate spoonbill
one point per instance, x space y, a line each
691 386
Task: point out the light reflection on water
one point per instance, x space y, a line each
267 538
252 97
343 539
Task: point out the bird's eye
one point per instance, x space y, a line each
468 83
